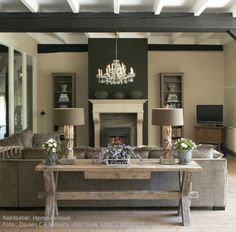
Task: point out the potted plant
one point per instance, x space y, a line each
117 154
185 147
52 148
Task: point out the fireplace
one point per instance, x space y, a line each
122 110
115 136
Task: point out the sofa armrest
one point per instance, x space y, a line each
211 183
10 152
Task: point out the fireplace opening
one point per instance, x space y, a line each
115 136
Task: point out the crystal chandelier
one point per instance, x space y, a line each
116 73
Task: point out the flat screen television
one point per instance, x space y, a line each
210 114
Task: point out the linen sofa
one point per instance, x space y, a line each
20 183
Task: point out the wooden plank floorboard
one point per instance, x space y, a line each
203 220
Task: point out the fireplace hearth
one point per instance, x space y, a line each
115 136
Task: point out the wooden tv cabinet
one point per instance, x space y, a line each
210 135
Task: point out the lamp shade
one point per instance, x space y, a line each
167 117
68 116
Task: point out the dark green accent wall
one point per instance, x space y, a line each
133 53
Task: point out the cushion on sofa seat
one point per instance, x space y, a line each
203 151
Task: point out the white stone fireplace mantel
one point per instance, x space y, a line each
118 106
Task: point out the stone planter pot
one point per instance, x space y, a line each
184 156
51 158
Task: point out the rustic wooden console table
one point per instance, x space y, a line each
136 170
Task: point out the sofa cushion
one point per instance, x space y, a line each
93 152
217 155
12 140
26 137
40 139
143 152
156 152
203 151
80 152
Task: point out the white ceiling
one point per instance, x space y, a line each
197 7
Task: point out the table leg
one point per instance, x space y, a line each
180 189
56 206
185 200
50 188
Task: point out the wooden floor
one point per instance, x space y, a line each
203 220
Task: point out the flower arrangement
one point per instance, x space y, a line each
117 154
185 144
51 146
120 151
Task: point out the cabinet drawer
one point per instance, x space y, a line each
117 175
209 135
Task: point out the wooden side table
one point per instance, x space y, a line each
210 134
136 170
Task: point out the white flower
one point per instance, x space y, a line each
54 150
184 145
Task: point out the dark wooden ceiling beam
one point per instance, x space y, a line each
109 22
232 33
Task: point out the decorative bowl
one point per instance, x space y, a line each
101 94
137 94
119 95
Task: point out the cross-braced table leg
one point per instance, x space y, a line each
180 189
51 205
185 199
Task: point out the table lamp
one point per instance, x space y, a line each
69 117
167 117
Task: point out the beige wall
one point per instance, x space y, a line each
62 62
230 84
203 83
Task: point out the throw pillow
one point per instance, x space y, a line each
26 137
40 139
143 152
93 152
12 140
203 151
80 152
217 155
156 152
